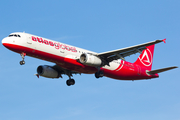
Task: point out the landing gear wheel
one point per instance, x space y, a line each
22 55
96 75
22 62
67 82
70 82
99 74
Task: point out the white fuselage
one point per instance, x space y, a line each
35 43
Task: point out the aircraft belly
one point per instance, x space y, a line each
126 73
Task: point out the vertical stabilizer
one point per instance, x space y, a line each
146 58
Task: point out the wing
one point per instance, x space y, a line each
63 71
121 53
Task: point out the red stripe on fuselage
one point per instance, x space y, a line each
66 63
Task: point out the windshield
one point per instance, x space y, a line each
15 35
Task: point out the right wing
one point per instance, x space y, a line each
121 53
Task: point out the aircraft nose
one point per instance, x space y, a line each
3 41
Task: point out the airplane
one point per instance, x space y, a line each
71 60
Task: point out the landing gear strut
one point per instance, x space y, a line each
22 55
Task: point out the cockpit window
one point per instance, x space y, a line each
10 35
15 35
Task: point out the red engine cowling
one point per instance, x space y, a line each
47 71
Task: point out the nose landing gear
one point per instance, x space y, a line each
22 62
22 55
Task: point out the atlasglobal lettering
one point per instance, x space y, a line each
55 44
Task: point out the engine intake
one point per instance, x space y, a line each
90 60
47 71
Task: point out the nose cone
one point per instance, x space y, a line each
6 42
3 41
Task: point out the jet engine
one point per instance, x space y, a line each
47 71
90 60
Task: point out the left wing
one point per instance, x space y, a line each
63 71
121 53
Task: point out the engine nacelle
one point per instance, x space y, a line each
47 71
91 60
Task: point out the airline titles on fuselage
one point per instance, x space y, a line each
57 45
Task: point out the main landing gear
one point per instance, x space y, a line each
70 81
22 55
99 74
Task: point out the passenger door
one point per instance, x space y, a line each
28 39
139 70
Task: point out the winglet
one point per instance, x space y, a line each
164 40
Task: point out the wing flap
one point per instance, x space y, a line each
161 70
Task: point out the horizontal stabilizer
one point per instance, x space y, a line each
161 70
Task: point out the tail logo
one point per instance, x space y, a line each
146 58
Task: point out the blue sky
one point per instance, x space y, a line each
96 25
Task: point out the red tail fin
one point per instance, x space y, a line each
146 58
